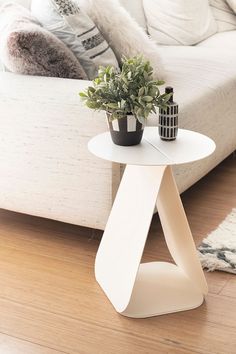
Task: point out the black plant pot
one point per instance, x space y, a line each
125 131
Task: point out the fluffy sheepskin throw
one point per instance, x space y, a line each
27 48
122 32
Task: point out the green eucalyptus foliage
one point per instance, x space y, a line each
130 91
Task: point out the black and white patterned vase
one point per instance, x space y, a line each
168 119
125 131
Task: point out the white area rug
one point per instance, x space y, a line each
218 250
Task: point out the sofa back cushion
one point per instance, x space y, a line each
135 8
179 22
224 15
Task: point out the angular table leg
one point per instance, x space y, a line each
151 288
124 238
177 232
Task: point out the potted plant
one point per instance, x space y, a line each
127 97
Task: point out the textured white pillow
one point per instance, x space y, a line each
225 17
232 4
179 22
122 32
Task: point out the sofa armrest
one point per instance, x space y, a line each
45 167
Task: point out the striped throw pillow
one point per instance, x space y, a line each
224 15
66 20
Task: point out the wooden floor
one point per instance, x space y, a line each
50 302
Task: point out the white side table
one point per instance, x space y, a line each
149 289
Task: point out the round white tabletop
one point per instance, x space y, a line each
188 147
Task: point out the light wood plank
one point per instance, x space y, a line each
230 288
12 345
73 336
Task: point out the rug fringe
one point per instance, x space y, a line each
218 250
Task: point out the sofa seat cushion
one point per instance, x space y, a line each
198 75
226 40
205 91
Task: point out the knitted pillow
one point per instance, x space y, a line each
225 17
27 48
66 20
122 32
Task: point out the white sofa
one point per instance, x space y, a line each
45 167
